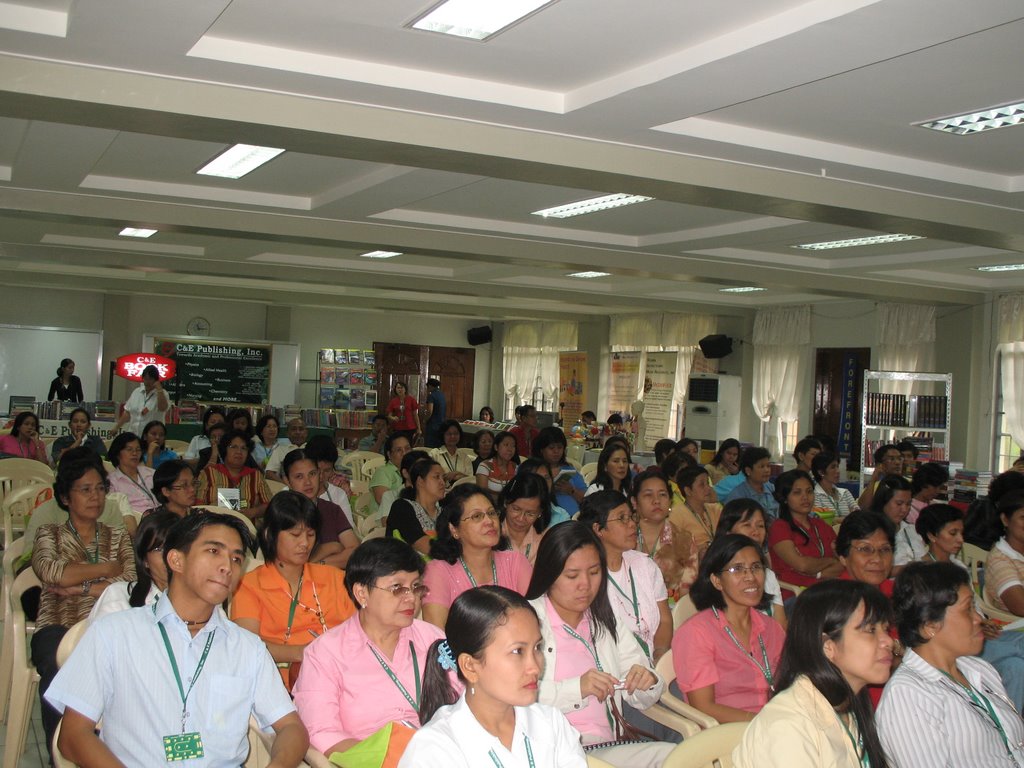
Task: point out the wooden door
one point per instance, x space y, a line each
406 363
454 367
829 371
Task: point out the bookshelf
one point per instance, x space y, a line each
889 417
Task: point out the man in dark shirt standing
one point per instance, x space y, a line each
436 413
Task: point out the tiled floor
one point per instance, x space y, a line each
34 755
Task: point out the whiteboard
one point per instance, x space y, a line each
30 356
284 365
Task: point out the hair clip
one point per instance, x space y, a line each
445 658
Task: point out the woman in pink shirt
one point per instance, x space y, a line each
726 657
525 508
24 439
465 553
367 672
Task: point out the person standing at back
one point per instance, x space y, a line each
66 386
435 414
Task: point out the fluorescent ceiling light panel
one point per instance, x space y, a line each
239 160
588 275
476 19
1002 268
742 289
137 232
853 242
591 205
976 122
380 254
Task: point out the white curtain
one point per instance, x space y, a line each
782 342
906 342
530 356
1010 335
662 333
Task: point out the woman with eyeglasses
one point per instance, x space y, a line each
746 518
494 646
838 643
465 553
174 485
865 545
368 672
150 569
75 561
290 601
726 657
232 472
944 706
131 477
525 512
637 594
593 664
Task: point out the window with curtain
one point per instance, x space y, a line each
906 342
530 361
663 333
782 350
1010 377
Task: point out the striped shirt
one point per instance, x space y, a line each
925 720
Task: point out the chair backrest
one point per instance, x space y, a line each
467 480
683 610
574 463
466 452
275 486
70 640
589 472
17 472
667 672
12 554
178 446
971 553
232 512
18 505
596 762
370 466
59 761
712 747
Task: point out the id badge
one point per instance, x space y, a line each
185 746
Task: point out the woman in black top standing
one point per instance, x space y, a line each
66 387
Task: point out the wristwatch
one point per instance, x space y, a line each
85 587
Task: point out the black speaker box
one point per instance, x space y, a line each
715 346
478 336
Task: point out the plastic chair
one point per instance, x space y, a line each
275 486
24 678
795 589
574 463
70 640
708 749
15 473
596 762
354 461
468 480
233 512
178 446
260 744
466 452
11 555
59 761
683 610
589 472
316 759
370 466
672 711
18 505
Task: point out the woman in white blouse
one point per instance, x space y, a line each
455 465
495 647
943 706
832 502
150 569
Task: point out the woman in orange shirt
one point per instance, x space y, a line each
289 601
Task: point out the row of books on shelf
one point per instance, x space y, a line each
318 417
335 376
889 410
927 450
99 410
356 399
313 417
968 485
348 357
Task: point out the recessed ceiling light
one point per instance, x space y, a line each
976 122
136 232
588 275
853 242
591 205
1002 268
239 160
475 19
742 289
380 254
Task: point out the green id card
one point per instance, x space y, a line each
186 746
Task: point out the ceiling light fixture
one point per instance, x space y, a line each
591 205
137 232
474 19
588 275
854 242
1002 268
742 289
976 122
380 254
239 160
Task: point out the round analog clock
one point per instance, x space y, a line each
198 326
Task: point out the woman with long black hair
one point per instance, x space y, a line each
150 569
838 643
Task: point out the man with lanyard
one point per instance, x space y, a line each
177 682
435 414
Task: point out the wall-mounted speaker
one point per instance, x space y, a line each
715 346
478 336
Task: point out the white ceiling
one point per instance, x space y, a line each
756 125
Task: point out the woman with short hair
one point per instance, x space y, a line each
837 644
525 513
943 705
698 513
174 486
756 467
567 484
130 476
79 424
941 526
832 502
265 439
233 472
456 465
865 544
290 601
925 486
483 447
892 499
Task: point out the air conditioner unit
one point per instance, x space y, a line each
713 408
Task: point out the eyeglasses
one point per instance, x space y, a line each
88 490
237 447
754 569
132 449
184 486
476 517
400 591
625 519
868 551
525 514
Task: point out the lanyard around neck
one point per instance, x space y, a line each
529 754
94 556
980 704
766 668
858 743
177 675
414 703
811 528
297 601
469 574
638 633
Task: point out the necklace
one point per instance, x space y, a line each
190 623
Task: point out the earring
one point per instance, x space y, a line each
472 691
